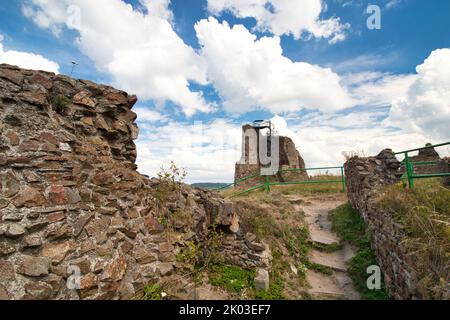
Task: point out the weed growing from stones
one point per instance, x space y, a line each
169 182
188 257
319 268
59 103
152 292
333 247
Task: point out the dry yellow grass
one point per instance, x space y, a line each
316 187
425 213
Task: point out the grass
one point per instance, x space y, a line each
424 213
260 224
319 268
296 240
327 247
350 226
334 187
60 102
231 278
237 280
152 292
265 227
304 189
275 292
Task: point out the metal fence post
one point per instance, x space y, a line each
267 184
343 179
409 171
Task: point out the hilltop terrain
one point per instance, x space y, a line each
78 221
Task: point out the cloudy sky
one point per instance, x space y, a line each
202 68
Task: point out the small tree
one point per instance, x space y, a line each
170 181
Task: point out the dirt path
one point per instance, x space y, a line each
330 281
337 285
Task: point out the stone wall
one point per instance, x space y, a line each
364 178
428 154
290 158
246 251
70 195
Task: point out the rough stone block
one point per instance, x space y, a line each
262 280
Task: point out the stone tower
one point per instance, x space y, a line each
250 163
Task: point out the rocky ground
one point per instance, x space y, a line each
311 266
338 285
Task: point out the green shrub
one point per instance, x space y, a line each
60 102
189 255
152 292
169 182
213 244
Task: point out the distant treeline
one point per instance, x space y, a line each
208 185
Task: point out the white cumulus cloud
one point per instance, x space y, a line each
378 89
251 73
26 60
426 106
294 17
148 115
145 56
140 50
207 151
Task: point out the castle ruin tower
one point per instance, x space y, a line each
250 162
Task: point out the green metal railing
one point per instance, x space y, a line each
409 174
267 184
409 165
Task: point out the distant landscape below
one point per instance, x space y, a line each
209 185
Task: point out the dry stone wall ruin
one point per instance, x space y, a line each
428 161
289 158
70 196
365 176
